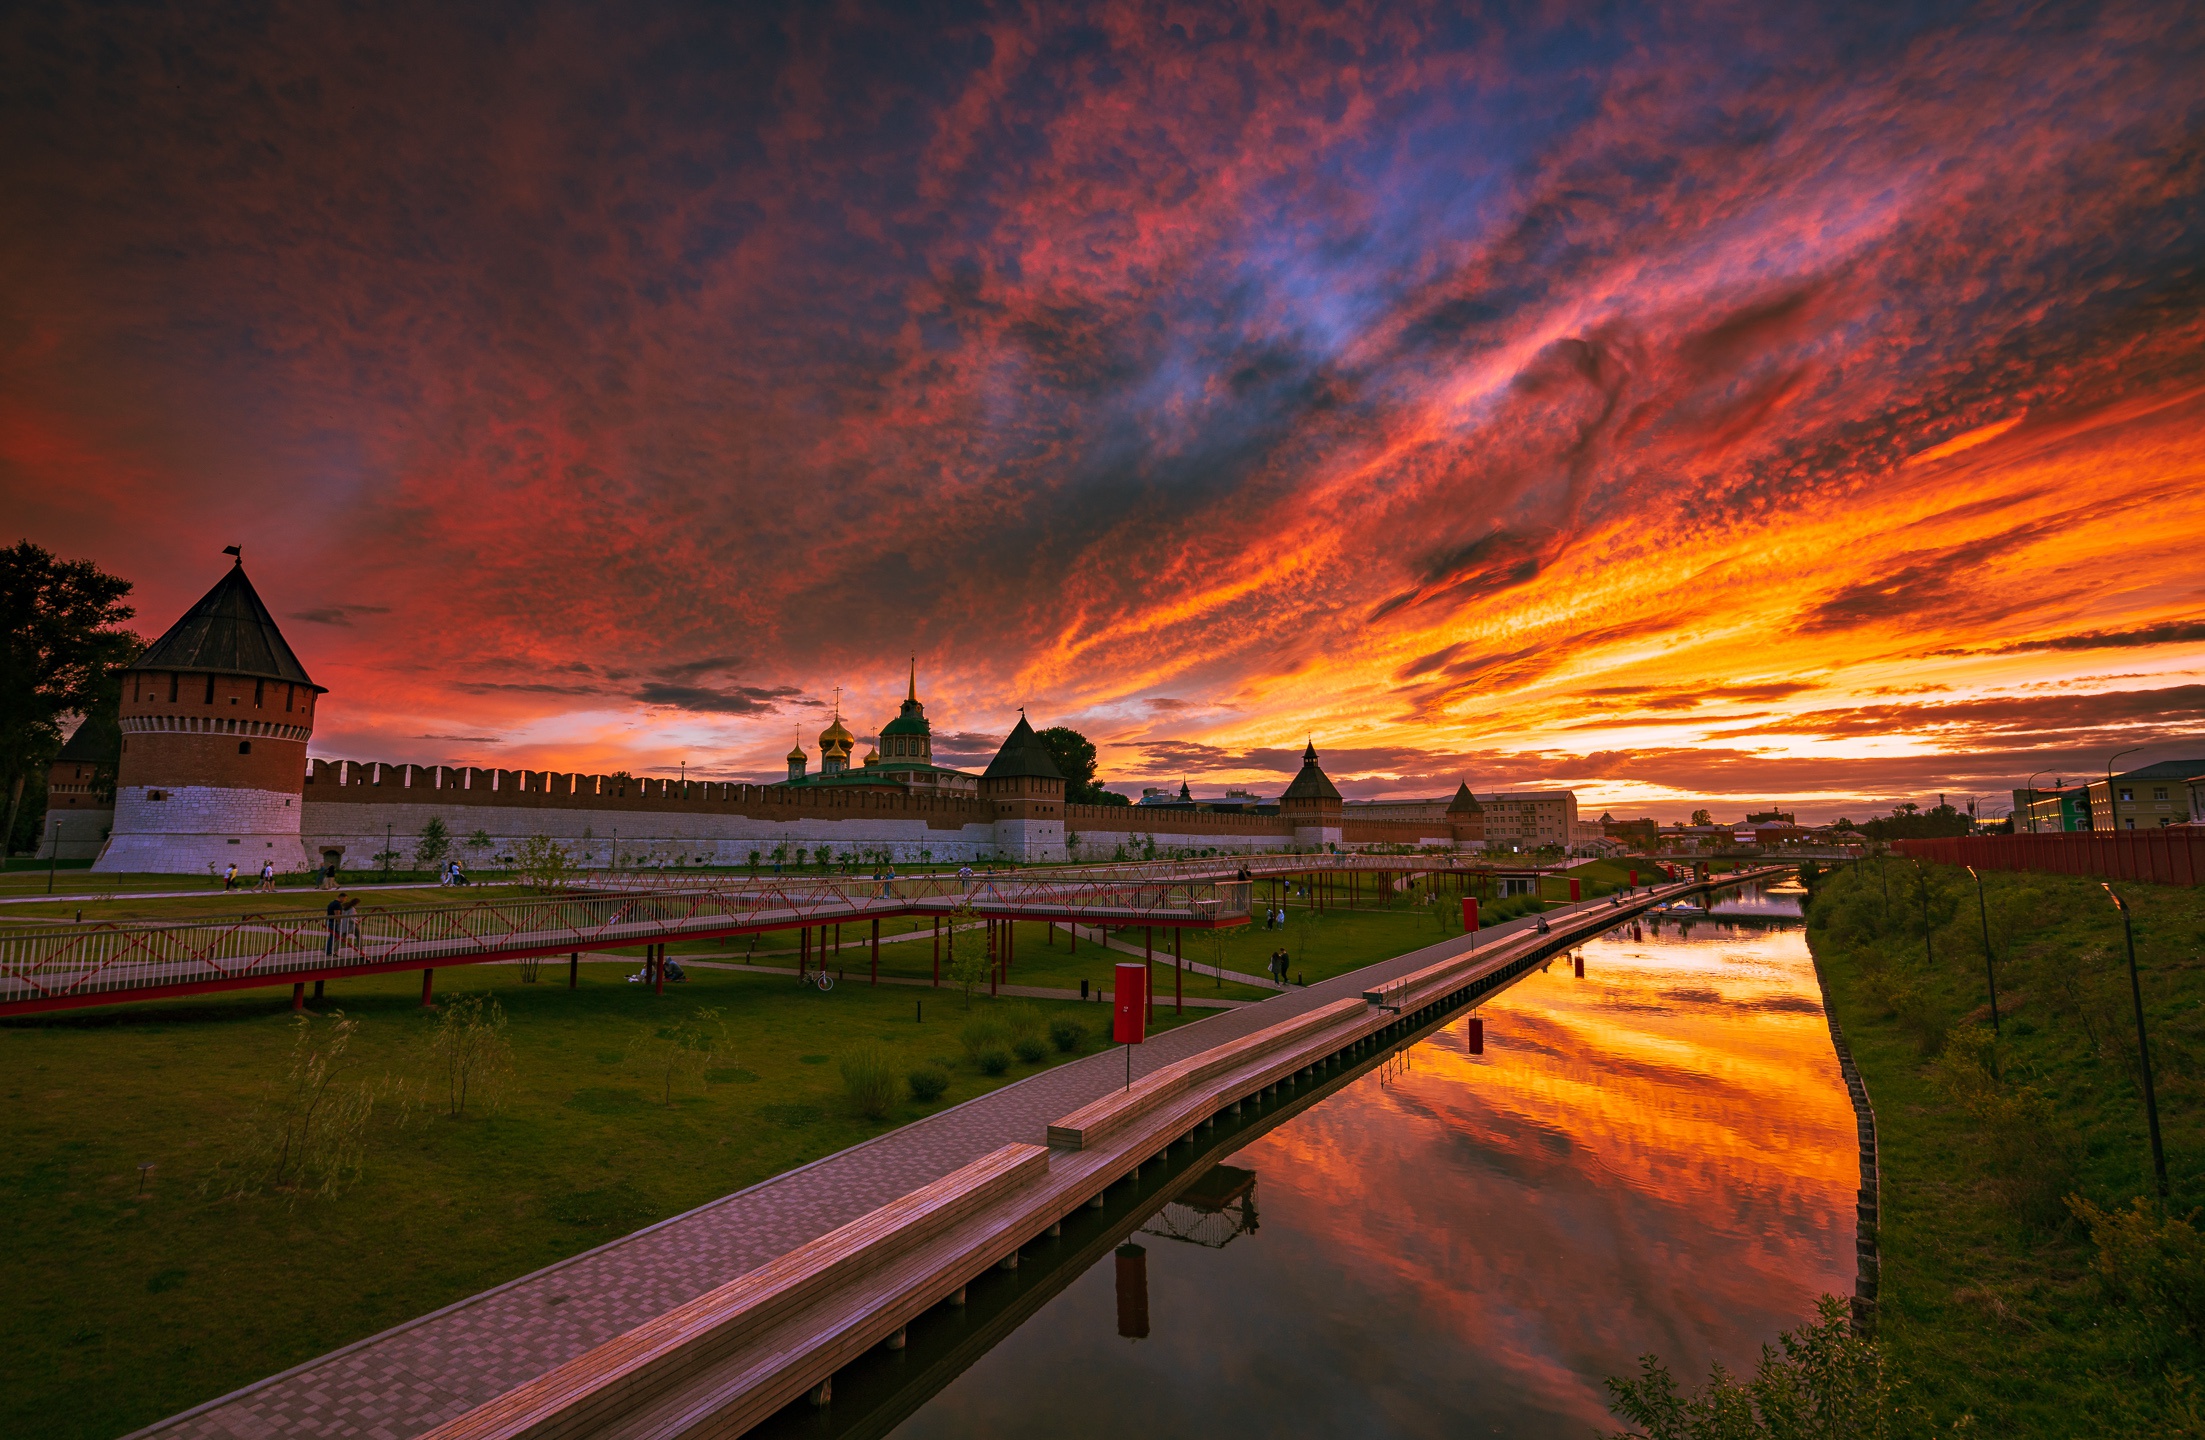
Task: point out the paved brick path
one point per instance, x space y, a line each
426 1371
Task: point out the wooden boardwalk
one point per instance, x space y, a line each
445 1368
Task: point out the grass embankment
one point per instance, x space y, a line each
124 1307
1995 1303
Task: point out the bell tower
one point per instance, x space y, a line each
215 719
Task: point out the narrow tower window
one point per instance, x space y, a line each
244 747
288 692
172 679
259 687
210 689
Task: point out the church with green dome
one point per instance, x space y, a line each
904 756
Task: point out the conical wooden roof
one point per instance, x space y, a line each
1023 754
229 632
1312 783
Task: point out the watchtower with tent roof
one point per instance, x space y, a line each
215 719
1467 816
1311 804
1028 790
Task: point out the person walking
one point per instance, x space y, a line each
349 921
268 876
335 921
329 874
229 877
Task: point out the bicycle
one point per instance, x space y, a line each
821 978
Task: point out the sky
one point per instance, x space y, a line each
1687 404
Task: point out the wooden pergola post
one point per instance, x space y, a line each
1148 967
574 969
937 952
1179 970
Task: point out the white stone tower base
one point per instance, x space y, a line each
202 829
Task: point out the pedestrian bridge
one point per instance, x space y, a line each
68 966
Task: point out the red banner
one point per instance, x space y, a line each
1128 1022
1469 913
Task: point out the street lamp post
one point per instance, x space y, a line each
53 856
1990 971
2143 1043
2112 809
2033 802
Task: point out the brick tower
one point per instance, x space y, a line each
1311 804
1028 791
215 720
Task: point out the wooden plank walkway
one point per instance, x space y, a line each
444 1366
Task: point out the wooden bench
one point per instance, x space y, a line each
1099 1119
632 1370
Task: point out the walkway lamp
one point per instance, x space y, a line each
53 856
1990 972
2033 802
2112 809
2143 1044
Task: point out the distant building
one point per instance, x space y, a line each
80 796
2051 812
1645 833
1513 819
2144 799
1771 817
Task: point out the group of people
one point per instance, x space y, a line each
452 873
1279 963
267 877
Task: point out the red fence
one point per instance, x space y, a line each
2165 857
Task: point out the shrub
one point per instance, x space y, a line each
983 1032
927 1083
1023 1022
1067 1034
993 1060
2152 1263
1825 1380
869 1080
1030 1048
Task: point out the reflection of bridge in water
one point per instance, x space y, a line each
1217 1208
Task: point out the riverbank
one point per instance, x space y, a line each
1994 1302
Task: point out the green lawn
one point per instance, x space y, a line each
1991 1307
125 1307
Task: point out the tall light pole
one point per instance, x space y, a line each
53 856
1990 972
2033 802
2143 1044
2112 810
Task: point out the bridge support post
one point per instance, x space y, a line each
317 992
428 986
1178 970
938 964
658 970
1148 967
876 956
574 969
803 951
298 996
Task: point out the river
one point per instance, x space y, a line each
1655 1155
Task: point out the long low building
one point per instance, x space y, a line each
217 715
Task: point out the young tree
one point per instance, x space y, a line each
543 862
63 652
309 1134
1702 817
968 959
682 1049
435 843
471 1050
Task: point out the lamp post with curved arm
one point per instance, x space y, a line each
2143 1046
2112 808
2033 802
1990 971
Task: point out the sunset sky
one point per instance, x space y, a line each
1667 401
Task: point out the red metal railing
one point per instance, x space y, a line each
2172 856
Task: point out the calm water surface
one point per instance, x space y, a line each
1655 1156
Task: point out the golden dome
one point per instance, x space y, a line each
836 739
798 754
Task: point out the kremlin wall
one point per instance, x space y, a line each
217 715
